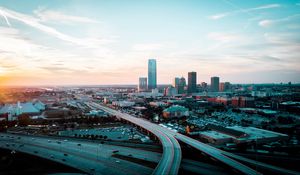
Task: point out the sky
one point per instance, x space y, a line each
100 42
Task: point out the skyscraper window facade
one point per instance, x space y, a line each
152 75
192 82
214 84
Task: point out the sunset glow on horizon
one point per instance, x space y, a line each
95 42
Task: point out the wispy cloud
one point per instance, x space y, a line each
282 39
269 22
147 47
223 15
56 16
4 16
35 23
58 69
223 37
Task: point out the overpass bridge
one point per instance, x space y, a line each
171 157
226 158
74 154
93 158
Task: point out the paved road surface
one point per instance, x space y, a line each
211 151
88 157
171 158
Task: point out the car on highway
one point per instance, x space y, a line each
115 151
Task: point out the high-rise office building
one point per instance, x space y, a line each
223 87
192 82
142 84
176 82
152 81
182 84
214 84
204 85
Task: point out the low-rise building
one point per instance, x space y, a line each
123 103
215 137
28 108
238 134
258 135
242 102
158 104
175 111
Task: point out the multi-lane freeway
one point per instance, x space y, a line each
228 159
89 157
94 158
165 135
171 158
81 154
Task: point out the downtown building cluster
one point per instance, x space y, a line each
180 85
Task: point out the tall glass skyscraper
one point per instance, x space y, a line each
152 82
214 84
192 82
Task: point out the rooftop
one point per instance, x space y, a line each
176 108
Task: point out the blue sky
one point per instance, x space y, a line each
109 42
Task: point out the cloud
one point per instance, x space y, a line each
50 15
147 47
223 15
57 69
35 23
3 15
282 38
223 37
268 23
27 56
219 16
265 23
262 58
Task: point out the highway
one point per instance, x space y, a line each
227 158
223 156
89 157
209 150
81 154
171 157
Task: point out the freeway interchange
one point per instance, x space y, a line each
166 137
95 158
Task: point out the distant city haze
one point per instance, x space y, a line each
99 42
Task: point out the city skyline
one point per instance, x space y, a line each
105 42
